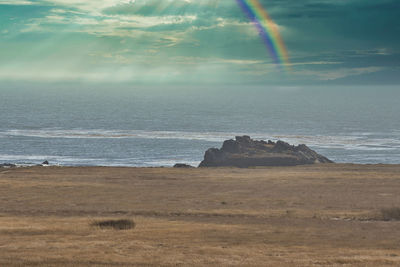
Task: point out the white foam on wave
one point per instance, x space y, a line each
351 141
27 160
30 160
113 134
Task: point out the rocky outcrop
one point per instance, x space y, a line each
7 165
245 152
182 165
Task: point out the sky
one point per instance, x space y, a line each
197 42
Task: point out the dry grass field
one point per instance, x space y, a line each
320 215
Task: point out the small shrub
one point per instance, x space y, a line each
390 214
121 224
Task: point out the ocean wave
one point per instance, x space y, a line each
350 141
31 160
114 134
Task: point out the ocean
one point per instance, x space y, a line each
72 125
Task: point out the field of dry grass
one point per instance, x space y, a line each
320 215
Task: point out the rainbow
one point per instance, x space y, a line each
268 31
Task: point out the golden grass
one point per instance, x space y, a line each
320 215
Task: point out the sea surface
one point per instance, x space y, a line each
159 126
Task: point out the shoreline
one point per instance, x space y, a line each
19 166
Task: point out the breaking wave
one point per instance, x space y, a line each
353 141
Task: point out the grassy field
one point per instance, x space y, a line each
320 215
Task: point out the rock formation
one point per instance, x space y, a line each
7 165
182 165
245 152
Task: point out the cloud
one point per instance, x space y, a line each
94 17
334 74
16 2
93 7
137 40
173 22
115 22
315 63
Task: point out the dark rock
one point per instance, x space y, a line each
45 162
7 165
213 155
231 146
281 146
245 152
245 139
182 165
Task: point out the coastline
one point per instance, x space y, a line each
301 215
193 167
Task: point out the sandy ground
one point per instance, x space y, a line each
320 215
